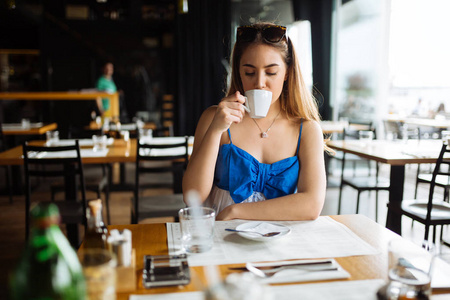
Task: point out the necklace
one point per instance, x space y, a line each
264 133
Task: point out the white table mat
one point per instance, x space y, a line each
340 290
298 275
320 238
81 142
69 154
19 126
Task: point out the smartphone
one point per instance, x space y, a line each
165 270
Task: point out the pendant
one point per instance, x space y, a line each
264 135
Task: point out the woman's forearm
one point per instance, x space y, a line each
199 174
295 207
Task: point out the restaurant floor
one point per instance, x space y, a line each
12 228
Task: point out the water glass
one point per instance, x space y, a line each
100 142
366 136
125 135
52 137
197 228
99 269
26 123
446 136
410 269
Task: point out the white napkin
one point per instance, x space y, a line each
299 275
68 154
266 227
81 142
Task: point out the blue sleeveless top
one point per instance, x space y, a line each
238 172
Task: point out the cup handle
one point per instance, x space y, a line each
246 105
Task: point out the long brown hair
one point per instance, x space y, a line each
295 100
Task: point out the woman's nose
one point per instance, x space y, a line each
260 81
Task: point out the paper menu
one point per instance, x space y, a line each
320 238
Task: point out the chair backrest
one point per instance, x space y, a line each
354 135
176 153
53 162
2 139
163 131
442 160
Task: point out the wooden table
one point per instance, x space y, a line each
441 124
34 129
119 152
151 239
330 127
397 154
113 98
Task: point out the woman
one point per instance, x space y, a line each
270 168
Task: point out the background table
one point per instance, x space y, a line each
397 154
34 129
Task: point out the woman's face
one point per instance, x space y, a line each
262 67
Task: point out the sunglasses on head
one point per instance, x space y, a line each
270 33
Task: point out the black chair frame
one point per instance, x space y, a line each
72 212
422 211
178 164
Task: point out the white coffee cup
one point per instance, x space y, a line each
257 103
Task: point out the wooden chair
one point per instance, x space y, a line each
8 180
430 212
168 111
97 184
361 184
171 158
352 132
60 162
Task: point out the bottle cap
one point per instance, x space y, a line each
95 206
45 215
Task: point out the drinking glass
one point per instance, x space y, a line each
99 269
446 136
410 269
26 123
366 136
197 228
52 137
100 142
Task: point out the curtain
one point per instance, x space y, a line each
202 42
319 14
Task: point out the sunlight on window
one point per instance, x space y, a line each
420 43
300 35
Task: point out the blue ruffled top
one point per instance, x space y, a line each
238 172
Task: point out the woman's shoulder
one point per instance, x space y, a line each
311 127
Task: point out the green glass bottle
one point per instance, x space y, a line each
49 267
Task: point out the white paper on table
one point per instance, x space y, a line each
298 275
340 290
19 126
165 140
69 154
81 142
320 238
441 274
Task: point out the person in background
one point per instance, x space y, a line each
106 83
239 167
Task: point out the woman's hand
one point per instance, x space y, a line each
230 110
226 213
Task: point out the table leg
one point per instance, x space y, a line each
71 194
397 181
